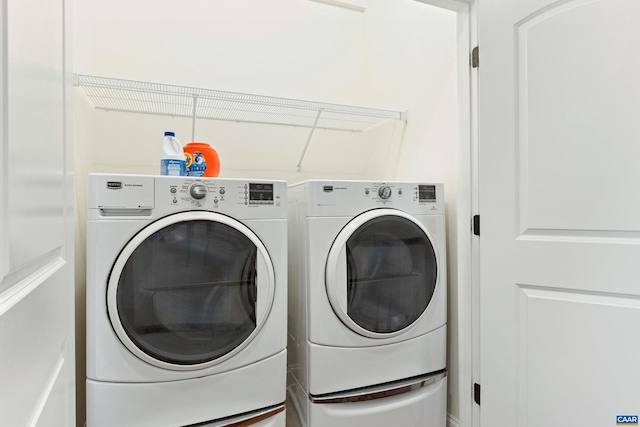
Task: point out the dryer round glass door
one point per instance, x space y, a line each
382 272
190 290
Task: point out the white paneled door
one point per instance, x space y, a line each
37 359
559 152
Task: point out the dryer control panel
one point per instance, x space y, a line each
349 197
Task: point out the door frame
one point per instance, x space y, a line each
4 137
467 286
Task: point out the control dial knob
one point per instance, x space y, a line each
384 192
198 191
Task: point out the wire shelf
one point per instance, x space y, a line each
156 98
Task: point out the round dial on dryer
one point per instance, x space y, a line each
198 191
384 192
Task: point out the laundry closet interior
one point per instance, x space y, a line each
349 90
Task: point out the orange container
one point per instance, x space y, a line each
202 160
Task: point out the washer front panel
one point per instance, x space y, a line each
190 290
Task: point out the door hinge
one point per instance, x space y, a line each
476 225
475 58
476 393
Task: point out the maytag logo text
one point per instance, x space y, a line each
114 185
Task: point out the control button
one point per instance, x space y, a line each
175 200
400 191
198 191
173 190
215 200
384 192
222 191
366 191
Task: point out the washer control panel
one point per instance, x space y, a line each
218 193
198 190
384 192
427 193
258 193
153 196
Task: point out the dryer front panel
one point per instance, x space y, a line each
382 272
190 290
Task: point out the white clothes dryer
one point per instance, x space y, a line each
186 301
367 303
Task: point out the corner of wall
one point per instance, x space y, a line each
82 161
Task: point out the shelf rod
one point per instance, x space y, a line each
193 120
313 128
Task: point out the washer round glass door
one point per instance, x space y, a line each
381 273
190 290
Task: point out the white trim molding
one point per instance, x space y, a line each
51 263
452 421
46 394
350 5
454 5
4 143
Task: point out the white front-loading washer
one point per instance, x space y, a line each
367 303
186 301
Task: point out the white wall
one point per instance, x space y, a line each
82 162
396 55
131 143
288 48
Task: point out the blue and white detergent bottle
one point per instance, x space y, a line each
173 161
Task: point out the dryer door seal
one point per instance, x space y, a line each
190 290
381 273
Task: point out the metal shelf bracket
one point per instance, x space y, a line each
193 117
313 128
